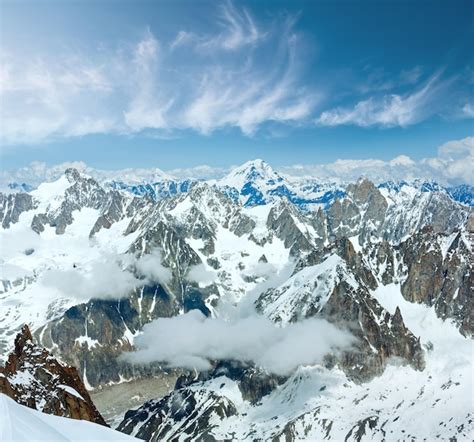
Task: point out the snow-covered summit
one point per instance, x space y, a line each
256 182
257 172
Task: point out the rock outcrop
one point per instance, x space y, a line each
91 336
440 273
12 206
33 377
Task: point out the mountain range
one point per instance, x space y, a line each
256 182
92 262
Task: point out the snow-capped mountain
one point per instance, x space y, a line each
321 404
89 263
256 172
253 183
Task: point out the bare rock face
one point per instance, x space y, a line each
456 299
470 223
191 411
291 227
114 207
91 336
253 382
382 260
33 377
440 273
12 206
424 261
381 336
334 284
365 212
361 212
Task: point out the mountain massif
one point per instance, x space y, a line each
89 264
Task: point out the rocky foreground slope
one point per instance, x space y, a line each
89 264
34 378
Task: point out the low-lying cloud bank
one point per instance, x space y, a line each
110 277
191 341
452 165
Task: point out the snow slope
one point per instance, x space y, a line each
19 423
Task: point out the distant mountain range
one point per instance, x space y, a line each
254 183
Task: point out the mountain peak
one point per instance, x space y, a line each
72 174
258 165
254 171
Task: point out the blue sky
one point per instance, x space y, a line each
177 84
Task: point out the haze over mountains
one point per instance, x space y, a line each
293 298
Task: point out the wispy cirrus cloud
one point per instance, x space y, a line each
245 100
237 29
378 79
158 86
468 110
391 109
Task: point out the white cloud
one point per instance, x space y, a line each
43 97
105 280
455 161
192 340
240 29
379 79
158 87
202 275
237 30
150 268
108 277
457 149
389 110
246 97
182 38
38 172
468 110
453 165
16 241
402 160
202 172
148 103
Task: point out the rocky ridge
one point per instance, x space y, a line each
33 377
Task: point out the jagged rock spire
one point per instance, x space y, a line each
33 377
